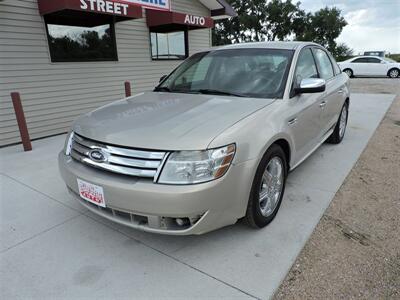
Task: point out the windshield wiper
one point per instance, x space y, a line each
162 89
217 92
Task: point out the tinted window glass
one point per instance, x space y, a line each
258 73
170 45
196 73
74 43
336 67
374 60
360 60
324 64
306 67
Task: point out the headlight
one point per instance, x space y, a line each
68 143
191 167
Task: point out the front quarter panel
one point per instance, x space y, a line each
256 133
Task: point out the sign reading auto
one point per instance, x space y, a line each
120 8
195 20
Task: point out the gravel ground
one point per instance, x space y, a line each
354 252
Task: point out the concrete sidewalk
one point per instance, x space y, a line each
51 247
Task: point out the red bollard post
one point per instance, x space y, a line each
128 91
23 129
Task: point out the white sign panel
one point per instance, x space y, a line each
159 4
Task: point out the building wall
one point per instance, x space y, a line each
54 94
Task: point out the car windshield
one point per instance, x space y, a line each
258 73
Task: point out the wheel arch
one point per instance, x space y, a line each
393 68
284 144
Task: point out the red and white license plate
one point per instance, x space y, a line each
91 192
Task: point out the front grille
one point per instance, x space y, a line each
125 161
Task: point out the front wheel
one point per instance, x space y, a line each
340 129
393 73
268 188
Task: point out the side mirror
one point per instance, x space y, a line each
163 77
311 85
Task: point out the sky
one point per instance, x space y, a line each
372 24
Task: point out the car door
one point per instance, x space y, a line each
359 66
376 67
304 111
333 93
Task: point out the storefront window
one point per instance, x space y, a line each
76 44
171 45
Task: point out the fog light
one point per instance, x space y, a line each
182 221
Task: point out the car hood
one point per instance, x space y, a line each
166 121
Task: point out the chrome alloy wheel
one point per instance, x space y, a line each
349 73
271 186
343 121
394 73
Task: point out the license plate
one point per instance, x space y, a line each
91 192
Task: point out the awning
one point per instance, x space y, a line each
220 9
167 21
88 12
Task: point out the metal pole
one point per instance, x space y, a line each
23 129
128 91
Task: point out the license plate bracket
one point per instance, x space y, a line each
91 192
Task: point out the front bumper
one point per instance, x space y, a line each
142 204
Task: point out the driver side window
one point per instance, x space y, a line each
306 67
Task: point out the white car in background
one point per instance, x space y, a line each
370 66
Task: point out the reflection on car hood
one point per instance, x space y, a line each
166 121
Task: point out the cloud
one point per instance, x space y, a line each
372 24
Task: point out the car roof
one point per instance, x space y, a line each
268 45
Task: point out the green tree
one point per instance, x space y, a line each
323 27
343 52
259 20
283 19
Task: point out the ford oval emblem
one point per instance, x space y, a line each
97 155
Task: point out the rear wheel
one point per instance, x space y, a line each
349 72
340 128
268 188
394 73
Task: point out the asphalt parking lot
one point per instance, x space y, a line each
51 247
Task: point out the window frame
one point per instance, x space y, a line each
309 48
113 39
186 41
378 60
334 64
318 66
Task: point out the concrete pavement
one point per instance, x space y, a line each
51 247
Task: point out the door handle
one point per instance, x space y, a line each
292 121
322 104
341 91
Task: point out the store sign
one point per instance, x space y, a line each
103 6
159 4
195 20
120 7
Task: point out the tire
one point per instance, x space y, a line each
338 134
349 72
259 215
394 73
